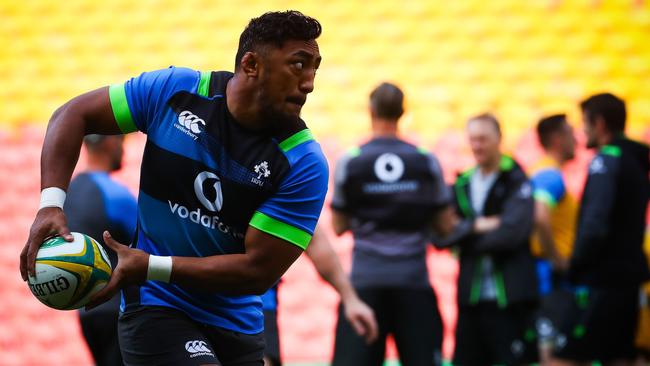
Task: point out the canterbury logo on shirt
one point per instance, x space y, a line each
190 121
190 124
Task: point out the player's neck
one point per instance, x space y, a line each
605 138
490 166
241 105
384 128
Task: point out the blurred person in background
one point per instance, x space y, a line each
95 202
390 195
326 262
497 283
555 214
643 331
608 264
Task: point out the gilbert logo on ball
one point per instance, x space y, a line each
69 273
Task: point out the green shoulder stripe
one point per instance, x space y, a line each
506 163
296 139
611 150
204 84
121 110
280 229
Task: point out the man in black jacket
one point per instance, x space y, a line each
608 262
497 284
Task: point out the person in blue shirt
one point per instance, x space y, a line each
232 185
95 202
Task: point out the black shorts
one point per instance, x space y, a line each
410 315
488 335
152 335
600 325
272 338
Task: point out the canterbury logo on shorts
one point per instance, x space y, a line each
198 348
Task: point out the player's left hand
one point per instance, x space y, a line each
362 319
131 269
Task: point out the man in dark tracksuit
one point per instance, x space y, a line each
608 263
497 284
389 194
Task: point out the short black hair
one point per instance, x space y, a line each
275 28
487 117
608 106
387 101
548 126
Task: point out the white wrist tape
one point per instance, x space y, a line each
52 197
160 268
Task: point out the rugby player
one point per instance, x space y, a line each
232 185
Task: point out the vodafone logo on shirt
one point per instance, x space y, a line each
217 202
389 168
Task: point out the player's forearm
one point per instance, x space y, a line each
543 230
327 263
332 272
236 274
546 241
225 273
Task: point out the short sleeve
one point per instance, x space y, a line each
442 192
292 212
138 101
548 187
339 201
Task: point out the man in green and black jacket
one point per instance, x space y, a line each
497 284
608 264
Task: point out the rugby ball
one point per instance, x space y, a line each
69 273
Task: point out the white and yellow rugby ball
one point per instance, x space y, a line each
69 273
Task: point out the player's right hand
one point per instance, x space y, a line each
49 221
131 269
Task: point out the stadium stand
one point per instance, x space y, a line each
454 59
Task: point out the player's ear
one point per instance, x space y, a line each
250 64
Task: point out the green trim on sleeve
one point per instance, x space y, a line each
296 139
280 229
422 150
541 195
121 110
204 84
611 150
